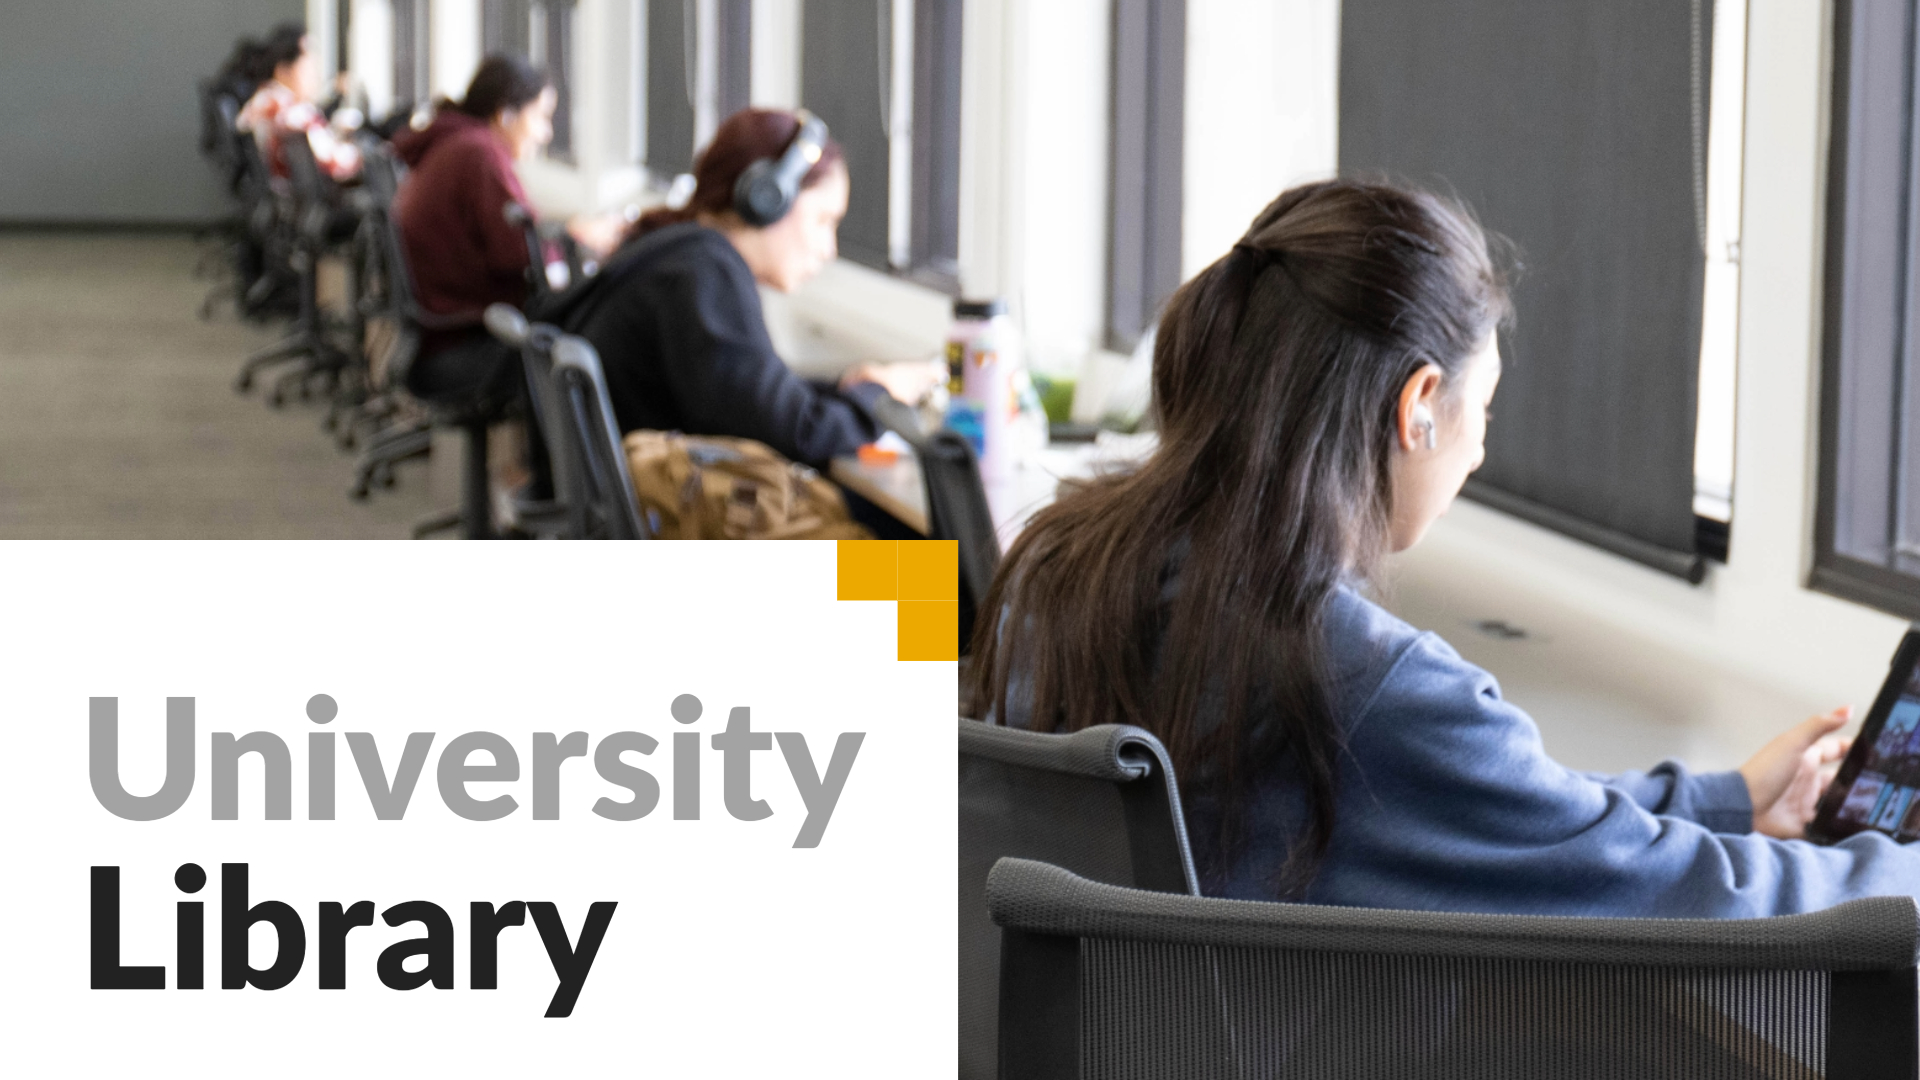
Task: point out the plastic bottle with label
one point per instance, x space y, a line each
969 318
992 401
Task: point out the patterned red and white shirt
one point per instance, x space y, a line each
275 112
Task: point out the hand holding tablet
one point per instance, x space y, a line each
1786 778
1877 783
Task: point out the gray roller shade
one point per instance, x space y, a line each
1146 165
735 59
669 87
1579 131
843 81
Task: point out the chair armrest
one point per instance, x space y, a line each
1875 934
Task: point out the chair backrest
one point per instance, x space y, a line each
1101 981
256 184
538 286
590 461
552 423
381 175
956 503
312 188
957 510
1102 800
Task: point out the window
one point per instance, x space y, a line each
504 26
412 52
698 74
550 42
1867 525
733 57
342 35
886 79
1143 251
671 63
541 31
1580 132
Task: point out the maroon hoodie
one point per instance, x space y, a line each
463 253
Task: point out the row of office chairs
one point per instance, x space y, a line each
1087 952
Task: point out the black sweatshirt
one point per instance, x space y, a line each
677 322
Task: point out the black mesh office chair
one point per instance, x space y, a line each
264 281
364 402
1101 800
956 503
413 436
225 258
590 461
1099 981
549 516
317 224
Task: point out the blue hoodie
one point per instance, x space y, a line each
1447 801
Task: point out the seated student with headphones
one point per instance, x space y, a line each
1323 393
676 315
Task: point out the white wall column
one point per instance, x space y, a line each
371 55
1262 113
992 137
323 34
775 64
455 48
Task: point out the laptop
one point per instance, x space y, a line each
1878 786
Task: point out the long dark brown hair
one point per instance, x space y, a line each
742 139
1188 596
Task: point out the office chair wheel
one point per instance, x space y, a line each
386 476
244 383
277 399
358 492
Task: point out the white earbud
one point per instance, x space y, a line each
1423 419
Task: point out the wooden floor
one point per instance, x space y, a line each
118 418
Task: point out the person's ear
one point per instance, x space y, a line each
1414 419
507 117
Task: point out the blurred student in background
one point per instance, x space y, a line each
287 103
451 214
451 211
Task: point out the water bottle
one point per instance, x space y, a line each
964 415
991 363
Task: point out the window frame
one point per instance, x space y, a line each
933 247
923 168
413 53
1870 341
506 26
1146 161
561 17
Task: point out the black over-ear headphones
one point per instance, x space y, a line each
765 192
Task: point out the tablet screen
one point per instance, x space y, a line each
1878 786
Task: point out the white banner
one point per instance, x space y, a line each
443 766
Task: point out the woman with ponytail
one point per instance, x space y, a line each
677 321
1323 393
